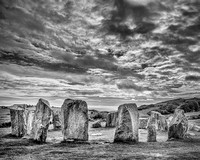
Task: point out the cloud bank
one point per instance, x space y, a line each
100 51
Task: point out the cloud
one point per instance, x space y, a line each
123 49
14 14
132 16
127 84
192 78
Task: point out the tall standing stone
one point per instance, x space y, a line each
17 115
127 124
74 116
178 126
41 121
151 127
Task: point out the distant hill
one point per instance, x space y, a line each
168 107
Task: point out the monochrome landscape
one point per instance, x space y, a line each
99 79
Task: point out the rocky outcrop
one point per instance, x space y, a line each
41 121
127 124
74 117
18 120
111 119
178 126
143 123
151 127
56 120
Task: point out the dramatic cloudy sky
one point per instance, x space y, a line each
106 52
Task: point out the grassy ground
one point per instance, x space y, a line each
24 149
100 146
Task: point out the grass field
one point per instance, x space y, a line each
100 146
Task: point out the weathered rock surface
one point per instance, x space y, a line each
111 119
29 121
41 121
161 121
74 116
143 123
18 122
127 124
151 127
56 120
178 126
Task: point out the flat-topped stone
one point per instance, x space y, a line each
127 124
74 117
18 119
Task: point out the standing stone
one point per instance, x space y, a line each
17 114
151 127
127 124
41 121
161 121
56 120
178 126
111 119
74 116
